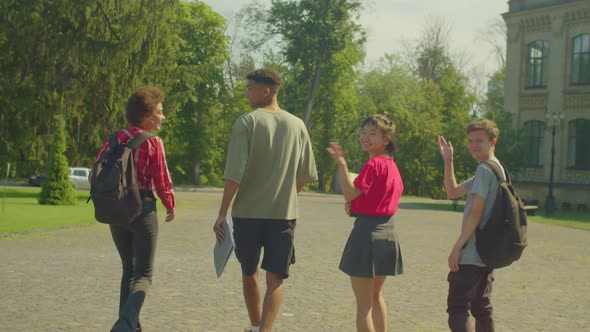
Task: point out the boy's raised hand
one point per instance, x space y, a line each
446 148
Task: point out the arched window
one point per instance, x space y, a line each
533 132
578 152
581 59
537 64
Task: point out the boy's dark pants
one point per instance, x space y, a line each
470 289
136 244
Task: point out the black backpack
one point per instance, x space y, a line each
503 238
114 189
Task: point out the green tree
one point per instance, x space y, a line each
124 45
88 55
314 33
416 109
432 60
336 108
434 65
510 149
201 54
310 32
321 45
28 87
57 189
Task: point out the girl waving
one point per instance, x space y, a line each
372 251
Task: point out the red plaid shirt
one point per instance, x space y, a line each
150 159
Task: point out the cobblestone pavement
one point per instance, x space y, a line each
67 280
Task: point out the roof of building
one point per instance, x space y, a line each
522 5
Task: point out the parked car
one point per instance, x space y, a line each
35 180
79 177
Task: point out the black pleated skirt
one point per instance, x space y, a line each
372 248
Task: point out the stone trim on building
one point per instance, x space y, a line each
558 22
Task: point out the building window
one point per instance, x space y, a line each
533 132
578 152
581 59
537 68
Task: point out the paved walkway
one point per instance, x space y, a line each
67 280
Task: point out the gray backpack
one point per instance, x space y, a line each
114 189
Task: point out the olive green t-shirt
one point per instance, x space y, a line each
269 153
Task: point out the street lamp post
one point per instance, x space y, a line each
553 119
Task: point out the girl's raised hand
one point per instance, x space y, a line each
335 151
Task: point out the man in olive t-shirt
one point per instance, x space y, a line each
269 160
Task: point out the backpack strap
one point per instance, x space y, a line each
139 139
498 171
113 141
508 179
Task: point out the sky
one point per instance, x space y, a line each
392 24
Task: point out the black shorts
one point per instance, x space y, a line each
275 235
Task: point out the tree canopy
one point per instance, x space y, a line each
81 60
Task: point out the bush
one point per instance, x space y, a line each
214 180
57 189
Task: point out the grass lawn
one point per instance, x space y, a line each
572 219
579 220
433 206
21 212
